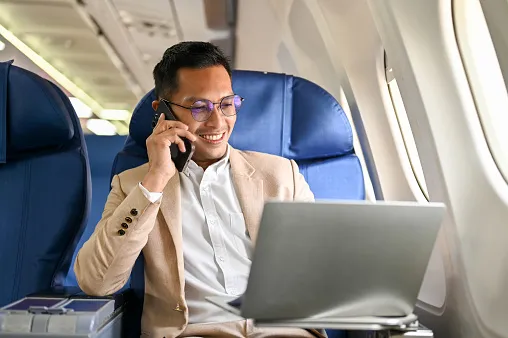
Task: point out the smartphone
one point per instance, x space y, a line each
180 159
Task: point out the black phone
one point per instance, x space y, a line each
180 159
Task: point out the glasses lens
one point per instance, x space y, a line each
230 105
201 110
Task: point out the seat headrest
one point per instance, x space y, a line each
140 126
282 114
33 116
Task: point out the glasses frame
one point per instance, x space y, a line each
214 103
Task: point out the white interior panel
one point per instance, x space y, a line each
420 36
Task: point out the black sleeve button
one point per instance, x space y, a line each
121 232
125 225
134 212
128 219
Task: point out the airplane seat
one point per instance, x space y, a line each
44 183
282 115
101 153
294 118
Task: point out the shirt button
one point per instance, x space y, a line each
221 259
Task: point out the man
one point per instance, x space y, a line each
196 228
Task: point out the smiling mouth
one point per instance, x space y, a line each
213 138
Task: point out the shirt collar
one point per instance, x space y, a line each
217 167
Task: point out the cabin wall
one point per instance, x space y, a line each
340 45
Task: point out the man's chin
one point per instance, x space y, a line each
210 155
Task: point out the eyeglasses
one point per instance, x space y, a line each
202 110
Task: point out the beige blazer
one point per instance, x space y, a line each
131 224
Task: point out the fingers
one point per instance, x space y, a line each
180 132
175 135
179 142
163 125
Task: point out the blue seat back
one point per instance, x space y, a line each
44 183
101 153
295 118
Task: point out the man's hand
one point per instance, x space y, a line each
160 165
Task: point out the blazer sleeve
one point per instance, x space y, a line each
302 190
105 261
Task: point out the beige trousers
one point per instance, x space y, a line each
242 329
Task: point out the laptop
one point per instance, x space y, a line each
338 264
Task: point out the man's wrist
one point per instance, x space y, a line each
151 196
155 182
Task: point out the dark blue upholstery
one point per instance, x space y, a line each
282 115
44 183
101 153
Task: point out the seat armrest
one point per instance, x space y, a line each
127 306
122 298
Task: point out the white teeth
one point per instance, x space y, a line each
212 137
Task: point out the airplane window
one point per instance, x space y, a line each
481 30
405 128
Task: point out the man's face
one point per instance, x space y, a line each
212 83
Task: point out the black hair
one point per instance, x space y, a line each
188 54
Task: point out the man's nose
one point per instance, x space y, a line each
216 118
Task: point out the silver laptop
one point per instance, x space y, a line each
352 263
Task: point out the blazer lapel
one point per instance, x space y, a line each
249 191
171 210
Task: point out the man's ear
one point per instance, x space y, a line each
155 104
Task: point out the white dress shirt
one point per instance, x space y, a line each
217 249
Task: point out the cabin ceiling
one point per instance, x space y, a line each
108 48
57 32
